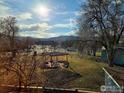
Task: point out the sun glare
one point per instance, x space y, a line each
43 11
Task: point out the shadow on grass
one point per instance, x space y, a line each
59 77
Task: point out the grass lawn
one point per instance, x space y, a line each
92 75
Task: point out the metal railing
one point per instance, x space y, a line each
111 84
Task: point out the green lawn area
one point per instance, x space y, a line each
92 75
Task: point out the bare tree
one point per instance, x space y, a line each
105 17
88 38
22 66
8 29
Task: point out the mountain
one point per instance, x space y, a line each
62 38
48 41
52 40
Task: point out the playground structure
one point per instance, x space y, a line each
52 61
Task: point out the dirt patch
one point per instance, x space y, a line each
60 77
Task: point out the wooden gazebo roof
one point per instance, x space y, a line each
55 53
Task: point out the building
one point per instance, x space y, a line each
118 59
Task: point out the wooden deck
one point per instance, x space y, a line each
35 89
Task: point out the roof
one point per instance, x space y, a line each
55 53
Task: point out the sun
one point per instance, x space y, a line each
42 11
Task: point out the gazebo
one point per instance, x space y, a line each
52 60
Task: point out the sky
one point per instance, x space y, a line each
43 18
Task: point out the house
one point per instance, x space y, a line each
119 56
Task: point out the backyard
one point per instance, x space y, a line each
83 73
62 45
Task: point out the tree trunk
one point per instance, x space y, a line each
94 52
111 54
19 87
110 61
